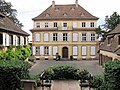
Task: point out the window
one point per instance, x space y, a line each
118 40
65 35
83 24
18 40
75 50
10 39
92 50
64 24
46 50
55 50
37 25
92 37
92 24
24 40
37 50
46 37
74 24
84 53
37 37
46 25
75 37
84 37
55 24
1 38
55 36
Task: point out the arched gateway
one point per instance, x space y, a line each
64 52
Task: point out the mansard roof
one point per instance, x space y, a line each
65 12
7 25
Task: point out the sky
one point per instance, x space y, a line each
28 9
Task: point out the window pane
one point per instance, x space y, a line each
83 50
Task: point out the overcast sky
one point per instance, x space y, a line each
28 9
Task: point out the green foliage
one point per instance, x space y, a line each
98 82
112 75
20 53
7 10
11 72
65 72
112 21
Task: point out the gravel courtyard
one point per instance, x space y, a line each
91 66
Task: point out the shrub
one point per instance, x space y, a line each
112 75
64 72
11 72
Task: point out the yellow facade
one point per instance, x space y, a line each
69 44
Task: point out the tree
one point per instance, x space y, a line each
7 10
112 21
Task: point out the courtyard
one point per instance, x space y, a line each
92 66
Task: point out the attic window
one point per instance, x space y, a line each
82 14
56 9
65 14
47 15
72 8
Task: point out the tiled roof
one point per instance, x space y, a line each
65 12
115 31
7 25
113 46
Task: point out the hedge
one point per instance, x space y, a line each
11 72
65 72
112 75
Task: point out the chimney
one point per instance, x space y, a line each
53 3
76 3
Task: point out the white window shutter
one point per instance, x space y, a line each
7 40
55 50
60 36
14 40
87 24
41 50
92 50
46 38
75 50
68 37
88 37
84 51
49 50
74 24
51 37
75 37
33 50
96 35
80 37
37 37
3 39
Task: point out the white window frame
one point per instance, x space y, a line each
65 36
37 50
93 36
46 50
75 36
55 25
37 25
74 24
92 24
84 50
84 37
46 25
83 24
75 50
55 37
55 50
37 37
46 37
92 51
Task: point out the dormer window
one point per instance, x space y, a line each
109 40
47 15
72 8
65 14
46 25
118 40
82 14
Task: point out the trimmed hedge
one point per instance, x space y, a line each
112 75
11 72
65 72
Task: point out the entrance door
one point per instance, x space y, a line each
64 52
